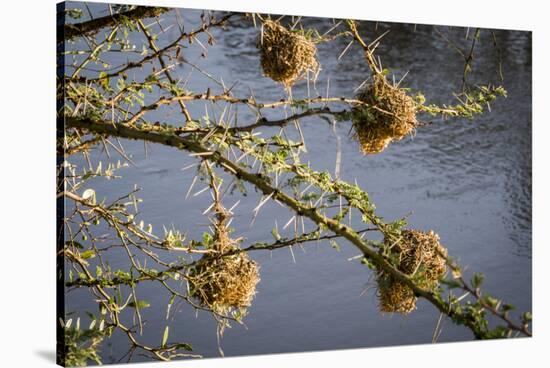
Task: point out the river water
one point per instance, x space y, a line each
470 181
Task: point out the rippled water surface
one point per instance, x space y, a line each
470 181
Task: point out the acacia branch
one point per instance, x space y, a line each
283 243
168 75
164 100
263 185
161 51
263 122
369 56
115 311
94 25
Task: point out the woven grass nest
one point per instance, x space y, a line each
224 282
419 253
389 115
286 56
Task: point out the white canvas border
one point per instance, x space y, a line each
27 326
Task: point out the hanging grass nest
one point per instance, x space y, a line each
419 254
389 115
286 56
224 282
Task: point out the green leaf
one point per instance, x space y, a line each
75 13
165 336
184 346
206 239
368 262
141 304
90 253
489 300
74 243
104 81
451 284
477 280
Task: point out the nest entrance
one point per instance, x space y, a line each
224 282
419 253
286 56
389 115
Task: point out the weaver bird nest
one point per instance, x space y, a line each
389 114
222 281
419 254
286 56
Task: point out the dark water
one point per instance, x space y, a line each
470 181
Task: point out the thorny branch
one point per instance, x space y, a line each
97 114
71 31
311 212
